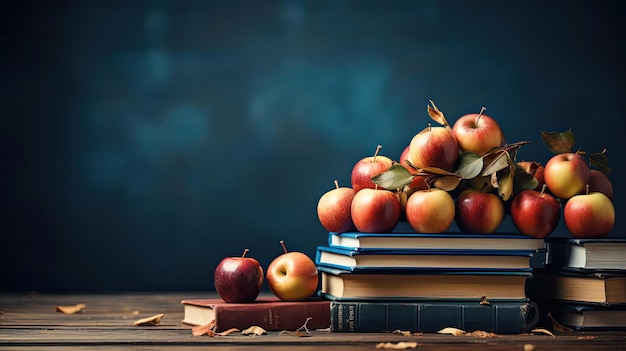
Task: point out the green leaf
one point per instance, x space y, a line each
469 165
396 177
600 161
435 170
559 142
523 180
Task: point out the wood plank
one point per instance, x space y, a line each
31 322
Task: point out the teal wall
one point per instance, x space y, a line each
145 140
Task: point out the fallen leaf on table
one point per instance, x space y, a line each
300 332
208 329
72 309
558 327
402 345
482 334
254 330
529 347
543 331
152 320
401 332
135 313
587 337
452 331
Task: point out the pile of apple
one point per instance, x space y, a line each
468 175
292 276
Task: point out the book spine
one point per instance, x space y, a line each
277 317
366 317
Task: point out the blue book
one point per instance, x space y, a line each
504 317
585 254
367 259
423 284
406 239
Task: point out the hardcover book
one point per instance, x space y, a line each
602 253
269 313
604 287
506 317
426 258
426 284
448 241
588 316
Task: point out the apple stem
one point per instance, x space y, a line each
480 114
429 127
336 184
245 251
543 189
587 189
282 243
377 151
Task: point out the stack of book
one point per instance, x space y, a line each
426 282
583 285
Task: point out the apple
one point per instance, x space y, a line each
589 215
535 213
477 132
238 279
434 147
566 174
430 211
368 167
600 182
478 212
375 210
535 169
334 209
292 276
419 181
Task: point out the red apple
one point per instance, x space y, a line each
334 209
375 210
535 213
367 168
590 215
566 174
434 147
430 211
238 279
535 169
478 212
419 181
292 276
477 132
600 182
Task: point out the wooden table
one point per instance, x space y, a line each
30 321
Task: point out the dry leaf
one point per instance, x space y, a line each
254 330
482 334
135 312
208 329
402 345
152 320
452 331
72 309
529 347
227 332
483 301
543 331
587 337
558 327
401 332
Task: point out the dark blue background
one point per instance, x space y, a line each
145 140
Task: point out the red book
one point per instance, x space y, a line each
268 313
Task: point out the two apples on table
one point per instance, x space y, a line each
566 178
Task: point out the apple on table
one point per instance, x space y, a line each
238 279
292 276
